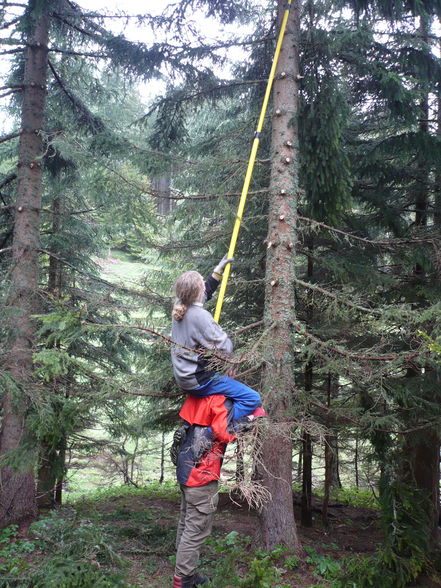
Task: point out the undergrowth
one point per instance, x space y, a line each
122 537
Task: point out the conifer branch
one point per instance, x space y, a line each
336 298
204 92
96 278
73 26
8 24
7 180
339 416
180 196
385 244
10 136
12 51
407 357
247 328
73 212
93 121
78 53
9 93
11 86
152 394
5 249
211 352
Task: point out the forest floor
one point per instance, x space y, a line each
125 537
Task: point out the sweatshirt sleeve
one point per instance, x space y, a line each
210 287
216 338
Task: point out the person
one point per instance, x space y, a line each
198 468
194 332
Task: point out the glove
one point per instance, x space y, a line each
219 269
178 440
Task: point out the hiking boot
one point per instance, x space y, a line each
259 412
189 581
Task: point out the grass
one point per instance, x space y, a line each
121 266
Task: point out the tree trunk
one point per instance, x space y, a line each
437 208
306 502
61 474
161 185
423 449
357 476
332 478
17 494
277 522
161 476
49 456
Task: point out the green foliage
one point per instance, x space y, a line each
58 572
432 344
292 562
262 574
168 489
227 552
355 497
324 565
12 551
68 536
403 555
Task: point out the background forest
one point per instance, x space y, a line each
122 162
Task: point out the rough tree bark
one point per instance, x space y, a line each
422 449
17 491
306 502
437 207
50 467
277 522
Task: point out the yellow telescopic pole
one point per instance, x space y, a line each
251 162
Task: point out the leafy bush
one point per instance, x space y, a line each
58 572
13 567
78 539
226 552
325 566
262 574
355 497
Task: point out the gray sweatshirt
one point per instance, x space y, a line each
197 330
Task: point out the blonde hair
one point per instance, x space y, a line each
188 289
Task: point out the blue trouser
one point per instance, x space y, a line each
245 399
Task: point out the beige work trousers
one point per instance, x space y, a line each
198 505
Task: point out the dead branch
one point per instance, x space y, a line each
247 328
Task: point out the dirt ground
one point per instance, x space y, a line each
351 531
